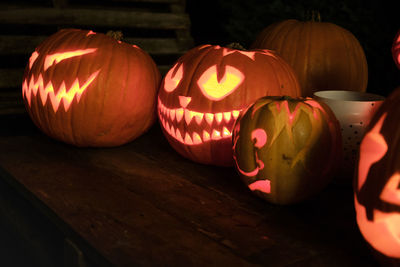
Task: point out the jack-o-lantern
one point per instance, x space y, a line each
286 150
377 181
396 50
88 89
203 93
324 55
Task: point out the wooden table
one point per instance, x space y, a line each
143 204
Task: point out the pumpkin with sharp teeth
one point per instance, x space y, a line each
203 93
377 182
88 89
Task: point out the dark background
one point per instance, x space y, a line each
374 24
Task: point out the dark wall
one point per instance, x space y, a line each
374 23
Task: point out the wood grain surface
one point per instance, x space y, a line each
142 204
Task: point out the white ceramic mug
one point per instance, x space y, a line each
354 111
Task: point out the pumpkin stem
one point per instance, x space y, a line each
313 15
117 35
236 46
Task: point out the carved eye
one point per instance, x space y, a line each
58 57
173 78
217 89
33 58
372 149
259 137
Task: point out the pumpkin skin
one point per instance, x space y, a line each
88 89
286 150
396 50
377 182
324 56
203 93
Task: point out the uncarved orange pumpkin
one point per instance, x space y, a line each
324 55
204 92
286 150
88 89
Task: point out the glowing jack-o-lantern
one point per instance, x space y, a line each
377 182
396 50
88 89
286 150
203 93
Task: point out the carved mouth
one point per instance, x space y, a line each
46 91
215 126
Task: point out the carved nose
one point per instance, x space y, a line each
184 100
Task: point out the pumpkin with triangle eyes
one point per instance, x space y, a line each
88 89
377 182
286 149
203 93
396 50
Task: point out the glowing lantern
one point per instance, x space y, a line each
324 56
285 149
203 93
377 182
396 50
88 89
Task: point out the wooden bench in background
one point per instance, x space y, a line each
160 27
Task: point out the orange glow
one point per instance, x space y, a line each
220 124
215 89
227 116
215 135
188 116
268 53
188 139
179 114
373 147
58 57
391 191
235 114
184 101
291 115
67 96
206 136
173 78
90 33
218 117
33 58
226 132
196 138
261 185
259 136
209 118
248 54
383 233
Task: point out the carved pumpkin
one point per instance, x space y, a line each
88 89
324 56
286 150
203 93
396 50
377 181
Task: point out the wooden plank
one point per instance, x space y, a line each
24 44
19 44
147 1
143 204
11 78
88 17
